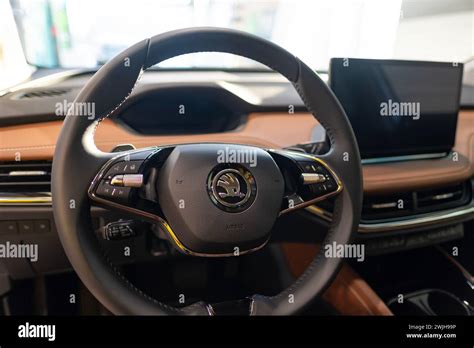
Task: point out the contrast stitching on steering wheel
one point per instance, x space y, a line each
337 208
112 111
338 203
113 267
316 260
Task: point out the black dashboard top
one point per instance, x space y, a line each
38 100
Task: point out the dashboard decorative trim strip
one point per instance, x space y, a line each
25 200
434 218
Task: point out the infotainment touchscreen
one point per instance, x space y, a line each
399 108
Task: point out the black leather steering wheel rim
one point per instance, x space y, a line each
76 160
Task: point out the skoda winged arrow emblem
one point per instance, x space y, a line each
231 189
231 186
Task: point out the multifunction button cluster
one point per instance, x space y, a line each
119 180
317 178
308 179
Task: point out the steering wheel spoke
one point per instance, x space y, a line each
308 179
125 183
241 307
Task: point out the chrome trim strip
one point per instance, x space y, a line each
384 205
210 310
400 224
17 200
466 274
443 196
404 158
27 173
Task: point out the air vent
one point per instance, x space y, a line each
43 93
26 182
443 198
417 202
387 206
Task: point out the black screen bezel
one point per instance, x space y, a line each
423 149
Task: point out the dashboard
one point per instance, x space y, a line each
254 108
168 107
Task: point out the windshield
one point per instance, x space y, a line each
72 33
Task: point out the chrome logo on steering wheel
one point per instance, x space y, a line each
231 185
231 189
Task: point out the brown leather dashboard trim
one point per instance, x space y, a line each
349 294
392 177
273 130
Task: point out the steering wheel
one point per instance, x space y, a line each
210 199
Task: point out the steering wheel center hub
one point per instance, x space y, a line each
231 187
216 208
